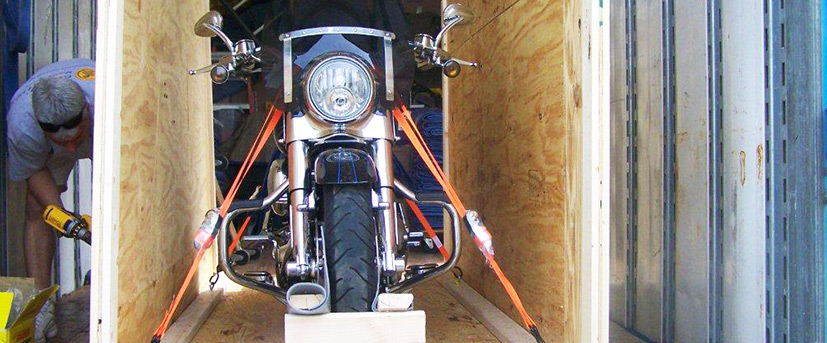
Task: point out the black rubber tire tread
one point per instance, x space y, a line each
350 246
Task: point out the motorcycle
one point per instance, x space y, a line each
346 238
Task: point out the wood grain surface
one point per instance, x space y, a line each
514 138
166 158
249 316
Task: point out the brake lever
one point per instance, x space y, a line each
466 63
203 70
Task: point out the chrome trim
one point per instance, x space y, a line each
448 265
288 70
384 167
404 190
311 107
343 30
297 166
389 67
308 128
223 258
221 35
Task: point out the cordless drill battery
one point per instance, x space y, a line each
68 224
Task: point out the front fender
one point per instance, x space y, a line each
344 166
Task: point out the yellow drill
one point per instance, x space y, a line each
69 224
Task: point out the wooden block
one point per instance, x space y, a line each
501 325
390 302
183 330
368 327
306 301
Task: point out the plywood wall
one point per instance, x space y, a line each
166 162
514 133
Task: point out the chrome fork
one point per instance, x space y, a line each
384 207
383 157
297 166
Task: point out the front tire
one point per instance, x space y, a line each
350 244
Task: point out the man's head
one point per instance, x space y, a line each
60 108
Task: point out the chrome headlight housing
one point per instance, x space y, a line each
339 88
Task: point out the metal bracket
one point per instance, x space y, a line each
288 68
389 67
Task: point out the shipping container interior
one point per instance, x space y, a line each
717 138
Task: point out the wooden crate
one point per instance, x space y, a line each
527 145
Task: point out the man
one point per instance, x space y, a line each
49 129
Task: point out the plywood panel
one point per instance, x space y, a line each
166 158
514 138
649 88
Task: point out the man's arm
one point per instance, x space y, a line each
43 187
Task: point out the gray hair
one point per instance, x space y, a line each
55 100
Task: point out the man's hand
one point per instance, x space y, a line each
44 189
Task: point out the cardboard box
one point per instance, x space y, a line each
17 322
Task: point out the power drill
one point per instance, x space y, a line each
69 224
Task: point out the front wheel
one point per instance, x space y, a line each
350 244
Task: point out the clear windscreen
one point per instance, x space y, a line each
376 14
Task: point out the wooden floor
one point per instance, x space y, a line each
245 315
249 316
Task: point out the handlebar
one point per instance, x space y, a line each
241 60
429 55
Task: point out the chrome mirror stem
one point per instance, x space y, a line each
221 35
445 30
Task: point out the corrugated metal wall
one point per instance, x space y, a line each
718 228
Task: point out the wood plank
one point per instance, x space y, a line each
245 315
502 326
515 156
107 173
361 327
184 329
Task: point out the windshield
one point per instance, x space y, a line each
384 15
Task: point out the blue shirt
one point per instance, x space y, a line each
30 150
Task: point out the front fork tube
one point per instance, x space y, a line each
387 206
297 166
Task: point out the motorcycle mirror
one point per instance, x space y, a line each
453 15
457 14
207 25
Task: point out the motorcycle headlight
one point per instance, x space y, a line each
339 89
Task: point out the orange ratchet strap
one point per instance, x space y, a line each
238 236
428 229
266 130
403 118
